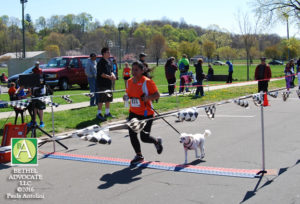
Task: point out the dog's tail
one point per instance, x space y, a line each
207 133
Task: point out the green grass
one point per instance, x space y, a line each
80 118
239 74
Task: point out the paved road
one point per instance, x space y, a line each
235 143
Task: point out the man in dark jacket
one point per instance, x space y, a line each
142 59
105 76
170 70
199 78
263 75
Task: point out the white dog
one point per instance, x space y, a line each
193 141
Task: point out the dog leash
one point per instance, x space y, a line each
167 122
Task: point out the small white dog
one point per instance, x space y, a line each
193 141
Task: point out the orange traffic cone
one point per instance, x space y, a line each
266 102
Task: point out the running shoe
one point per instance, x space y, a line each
137 159
159 146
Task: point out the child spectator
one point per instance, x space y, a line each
20 93
11 91
210 73
126 73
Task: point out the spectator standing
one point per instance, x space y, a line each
199 77
298 65
141 91
115 71
210 73
38 91
263 74
288 75
230 71
91 73
126 73
11 91
142 58
292 67
170 70
184 66
105 76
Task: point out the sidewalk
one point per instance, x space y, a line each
117 100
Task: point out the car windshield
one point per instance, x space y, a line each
57 63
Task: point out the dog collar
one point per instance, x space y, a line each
189 144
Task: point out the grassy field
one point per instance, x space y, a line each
80 118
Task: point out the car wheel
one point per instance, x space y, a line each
64 84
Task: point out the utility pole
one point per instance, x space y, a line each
23 27
286 15
120 54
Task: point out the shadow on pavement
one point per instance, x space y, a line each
124 176
4 166
193 163
87 123
250 194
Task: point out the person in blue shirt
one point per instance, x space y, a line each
91 73
115 71
230 71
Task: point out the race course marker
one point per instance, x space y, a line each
243 173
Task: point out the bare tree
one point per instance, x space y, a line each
248 32
157 46
271 10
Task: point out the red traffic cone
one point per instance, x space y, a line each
266 102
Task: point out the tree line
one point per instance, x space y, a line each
79 34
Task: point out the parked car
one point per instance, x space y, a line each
276 62
218 63
67 70
15 77
3 65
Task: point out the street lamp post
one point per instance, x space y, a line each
23 27
288 33
119 29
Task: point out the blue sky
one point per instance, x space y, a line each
196 12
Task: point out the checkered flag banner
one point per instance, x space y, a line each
257 99
48 101
285 95
89 94
189 114
273 94
67 98
101 136
92 134
298 93
136 125
210 111
242 103
21 104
